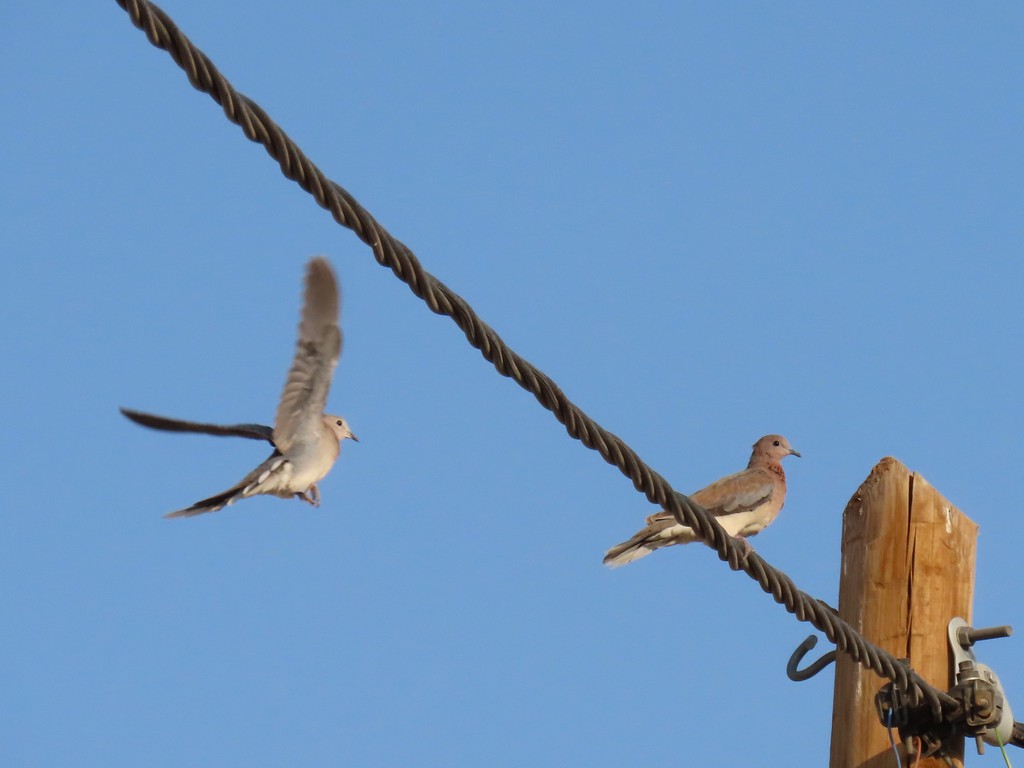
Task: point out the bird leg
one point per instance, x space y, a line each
747 548
312 495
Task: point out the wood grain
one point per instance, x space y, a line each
907 569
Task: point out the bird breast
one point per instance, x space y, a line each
310 462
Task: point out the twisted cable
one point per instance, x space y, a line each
393 254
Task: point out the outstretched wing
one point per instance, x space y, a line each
304 396
251 431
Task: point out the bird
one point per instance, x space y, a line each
306 440
744 503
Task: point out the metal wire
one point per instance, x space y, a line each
390 252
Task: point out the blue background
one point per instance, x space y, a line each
705 223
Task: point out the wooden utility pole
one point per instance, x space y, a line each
907 569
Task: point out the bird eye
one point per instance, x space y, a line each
339 424
776 443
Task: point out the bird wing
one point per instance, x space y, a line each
742 492
252 431
316 354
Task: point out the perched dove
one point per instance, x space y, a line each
744 503
306 440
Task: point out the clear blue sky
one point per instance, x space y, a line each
704 223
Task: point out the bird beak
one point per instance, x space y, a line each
795 453
353 437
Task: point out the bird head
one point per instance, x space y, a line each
339 427
774 447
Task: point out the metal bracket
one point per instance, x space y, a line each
913 719
985 715
988 716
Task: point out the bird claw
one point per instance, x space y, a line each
747 549
314 495
311 496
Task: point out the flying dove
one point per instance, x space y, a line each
306 440
744 503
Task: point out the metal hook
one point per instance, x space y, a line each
797 675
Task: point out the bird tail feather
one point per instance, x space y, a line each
660 532
246 487
211 504
627 552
